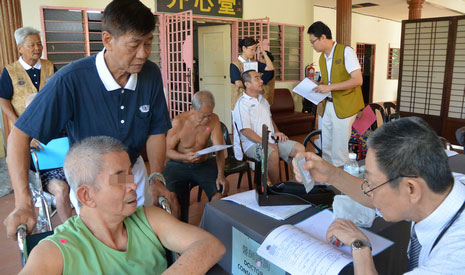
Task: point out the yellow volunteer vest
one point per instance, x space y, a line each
268 89
22 83
347 102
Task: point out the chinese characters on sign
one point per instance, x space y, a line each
217 8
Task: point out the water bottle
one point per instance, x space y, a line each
351 166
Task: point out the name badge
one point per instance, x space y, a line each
250 66
144 108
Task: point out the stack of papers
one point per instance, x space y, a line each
305 89
280 212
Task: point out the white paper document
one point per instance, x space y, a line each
450 153
211 149
303 248
305 89
280 212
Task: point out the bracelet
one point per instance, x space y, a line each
157 176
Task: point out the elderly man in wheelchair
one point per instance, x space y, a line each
112 235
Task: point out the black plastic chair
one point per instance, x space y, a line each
319 150
376 107
391 111
257 163
232 165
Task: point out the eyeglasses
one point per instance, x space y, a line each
365 185
313 41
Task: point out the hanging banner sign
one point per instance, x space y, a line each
216 8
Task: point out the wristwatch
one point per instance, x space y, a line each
157 176
359 244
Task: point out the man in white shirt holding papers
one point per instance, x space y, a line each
191 132
407 177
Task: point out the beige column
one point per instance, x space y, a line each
343 21
414 8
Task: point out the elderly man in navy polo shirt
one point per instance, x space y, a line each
116 93
25 76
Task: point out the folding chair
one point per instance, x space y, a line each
391 111
318 147
51 157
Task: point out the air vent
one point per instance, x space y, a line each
364 5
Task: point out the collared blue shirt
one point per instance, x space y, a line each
84 98
6 85
235 74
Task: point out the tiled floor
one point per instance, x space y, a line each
9 253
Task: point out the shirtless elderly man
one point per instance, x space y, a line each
192 132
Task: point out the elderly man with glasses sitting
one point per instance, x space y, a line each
407 177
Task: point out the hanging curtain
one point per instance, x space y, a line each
10 20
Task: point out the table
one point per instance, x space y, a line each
220 216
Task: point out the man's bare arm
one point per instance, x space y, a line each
199 249
7 108
18 166
156 153
251 135
45 259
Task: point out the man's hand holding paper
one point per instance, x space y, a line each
310 91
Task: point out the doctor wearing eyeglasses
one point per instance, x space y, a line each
407 177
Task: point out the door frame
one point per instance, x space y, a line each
372 78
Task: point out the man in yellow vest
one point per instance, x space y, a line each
341 77
26 76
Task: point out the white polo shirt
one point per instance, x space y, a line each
252 113
350 61
447 256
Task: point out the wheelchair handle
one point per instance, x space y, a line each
164 204
21 232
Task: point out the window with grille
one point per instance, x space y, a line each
457 91
393 63
424 64
286 47
71 34
432 72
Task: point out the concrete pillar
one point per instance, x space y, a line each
344 21
414 8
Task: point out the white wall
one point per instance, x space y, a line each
371 30
299 12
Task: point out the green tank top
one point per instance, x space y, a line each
83 253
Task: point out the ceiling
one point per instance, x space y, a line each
397 10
